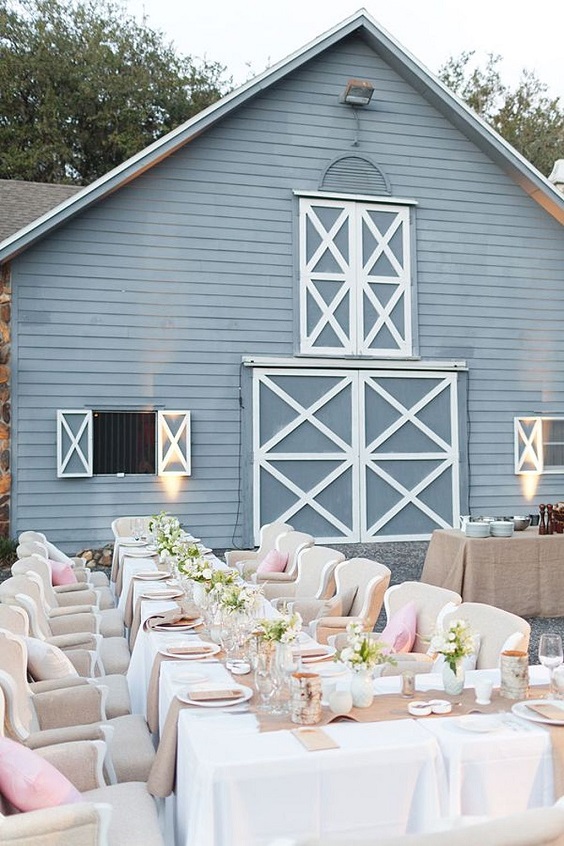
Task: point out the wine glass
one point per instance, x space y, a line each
266 681
550 653
136 528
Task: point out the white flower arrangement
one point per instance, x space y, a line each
363 652
454 643
242 599
197 569
166 530
283 629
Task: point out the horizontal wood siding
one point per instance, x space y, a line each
152 297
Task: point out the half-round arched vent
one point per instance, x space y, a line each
354 175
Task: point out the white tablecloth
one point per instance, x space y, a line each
239 787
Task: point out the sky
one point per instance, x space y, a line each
247 35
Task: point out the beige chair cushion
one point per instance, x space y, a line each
134 819
115 655
130 733
111 623
83 824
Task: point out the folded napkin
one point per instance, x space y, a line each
315 651
210 694
189 649
548 711
179 616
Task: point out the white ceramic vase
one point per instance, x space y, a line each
453 680
199 593
362 688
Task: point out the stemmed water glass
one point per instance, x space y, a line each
550 653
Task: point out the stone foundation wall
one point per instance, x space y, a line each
98 557
5 400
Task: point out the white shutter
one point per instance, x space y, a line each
74 443
173 443
528 445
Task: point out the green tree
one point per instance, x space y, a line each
84 86
526 116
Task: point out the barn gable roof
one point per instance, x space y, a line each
422 80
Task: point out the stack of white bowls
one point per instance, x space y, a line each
477 529
502 528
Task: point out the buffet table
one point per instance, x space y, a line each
523 574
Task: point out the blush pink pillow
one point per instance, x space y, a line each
29 782
61 573
273 562
400 632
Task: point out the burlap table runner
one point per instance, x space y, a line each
153 690
119 573
388 706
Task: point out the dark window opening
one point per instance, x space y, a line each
124 442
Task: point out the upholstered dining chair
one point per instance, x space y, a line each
249 559
535 827
107 815
122 528
79 565
290 544
360 584
70 631
55 716
314 580
430 601
498 630
61 604
49 667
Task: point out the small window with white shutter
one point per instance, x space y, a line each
92 442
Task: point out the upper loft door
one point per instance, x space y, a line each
355 278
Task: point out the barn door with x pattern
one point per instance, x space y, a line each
350 455
355 278
409 454
306 452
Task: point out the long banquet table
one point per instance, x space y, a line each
239 786
523 574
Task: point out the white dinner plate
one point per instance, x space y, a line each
480 723
152 576
132 542
173 593
246 694
331 669
328 652
520 710
139 552
183 628
207 650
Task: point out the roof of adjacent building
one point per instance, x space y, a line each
452 107
23 202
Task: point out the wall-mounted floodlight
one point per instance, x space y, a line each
358 92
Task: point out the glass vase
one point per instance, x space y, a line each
362 688
453 680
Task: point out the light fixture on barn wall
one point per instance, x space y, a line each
357 94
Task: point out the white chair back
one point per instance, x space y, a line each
498 630
293 543
315 567
429 602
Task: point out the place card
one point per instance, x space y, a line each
314 739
